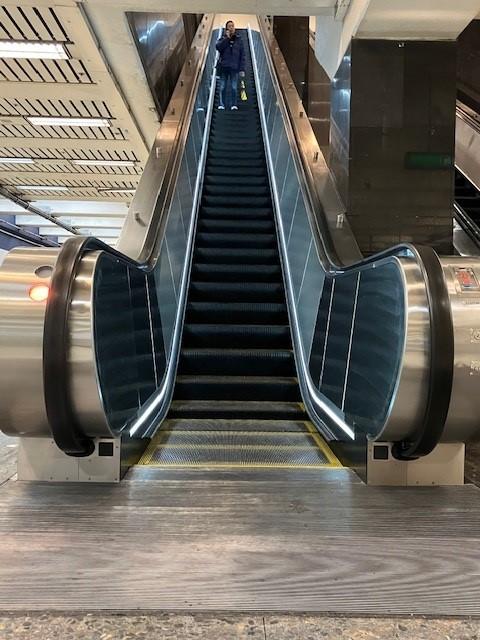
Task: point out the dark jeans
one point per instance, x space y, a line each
228 85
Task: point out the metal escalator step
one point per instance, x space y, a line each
243 240
220 169
218 272
236 449
228 213
236 313
237 409
237 388
240 335
224 180
237 202
236 256
236 362
236 291
199 425
236 163
236 226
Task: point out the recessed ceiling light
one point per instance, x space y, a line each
41 121
39 187
104 163
117 190
38 50
16 160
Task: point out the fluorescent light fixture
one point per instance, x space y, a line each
104 163
117 190
16 160
39 187
31 50
47 121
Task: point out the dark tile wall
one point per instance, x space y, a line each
292 35
163 41
318 101
393 140
468 67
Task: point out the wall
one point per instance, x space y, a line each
391 100
163 41
468 66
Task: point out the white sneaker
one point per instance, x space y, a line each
221 107
234 108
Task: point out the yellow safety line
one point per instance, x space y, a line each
235 447
322 445
279 434
227 465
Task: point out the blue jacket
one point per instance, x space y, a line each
232 54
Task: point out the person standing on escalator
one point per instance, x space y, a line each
230 65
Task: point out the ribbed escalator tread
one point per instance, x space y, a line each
236 256
218 272
248 362
237 388
240 335
237 399
237 313
228 409
237 291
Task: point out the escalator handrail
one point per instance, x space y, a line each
65 429
145 223
440 378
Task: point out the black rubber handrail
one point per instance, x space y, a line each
66 431
441 324
442 350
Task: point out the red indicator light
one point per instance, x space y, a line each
39 292
467 279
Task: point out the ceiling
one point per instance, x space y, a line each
69 164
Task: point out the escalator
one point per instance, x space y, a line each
224 331
467 206
236 400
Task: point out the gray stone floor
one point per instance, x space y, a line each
218 627
8 458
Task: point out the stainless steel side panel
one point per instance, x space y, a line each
467 145
22 406
85 388
463 420
409 400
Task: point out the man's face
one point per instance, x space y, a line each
230 27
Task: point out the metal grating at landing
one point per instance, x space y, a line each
237 443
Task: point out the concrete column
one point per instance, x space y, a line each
393 141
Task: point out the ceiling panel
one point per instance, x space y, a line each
79 87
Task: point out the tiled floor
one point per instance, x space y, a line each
207 627
8 458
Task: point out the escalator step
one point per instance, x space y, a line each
221 181
236 313
244 240
228 409
237 388
236 291
236 256
236 226
245 171
257 213
257 426
236 362
236 203
238 335
236 272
